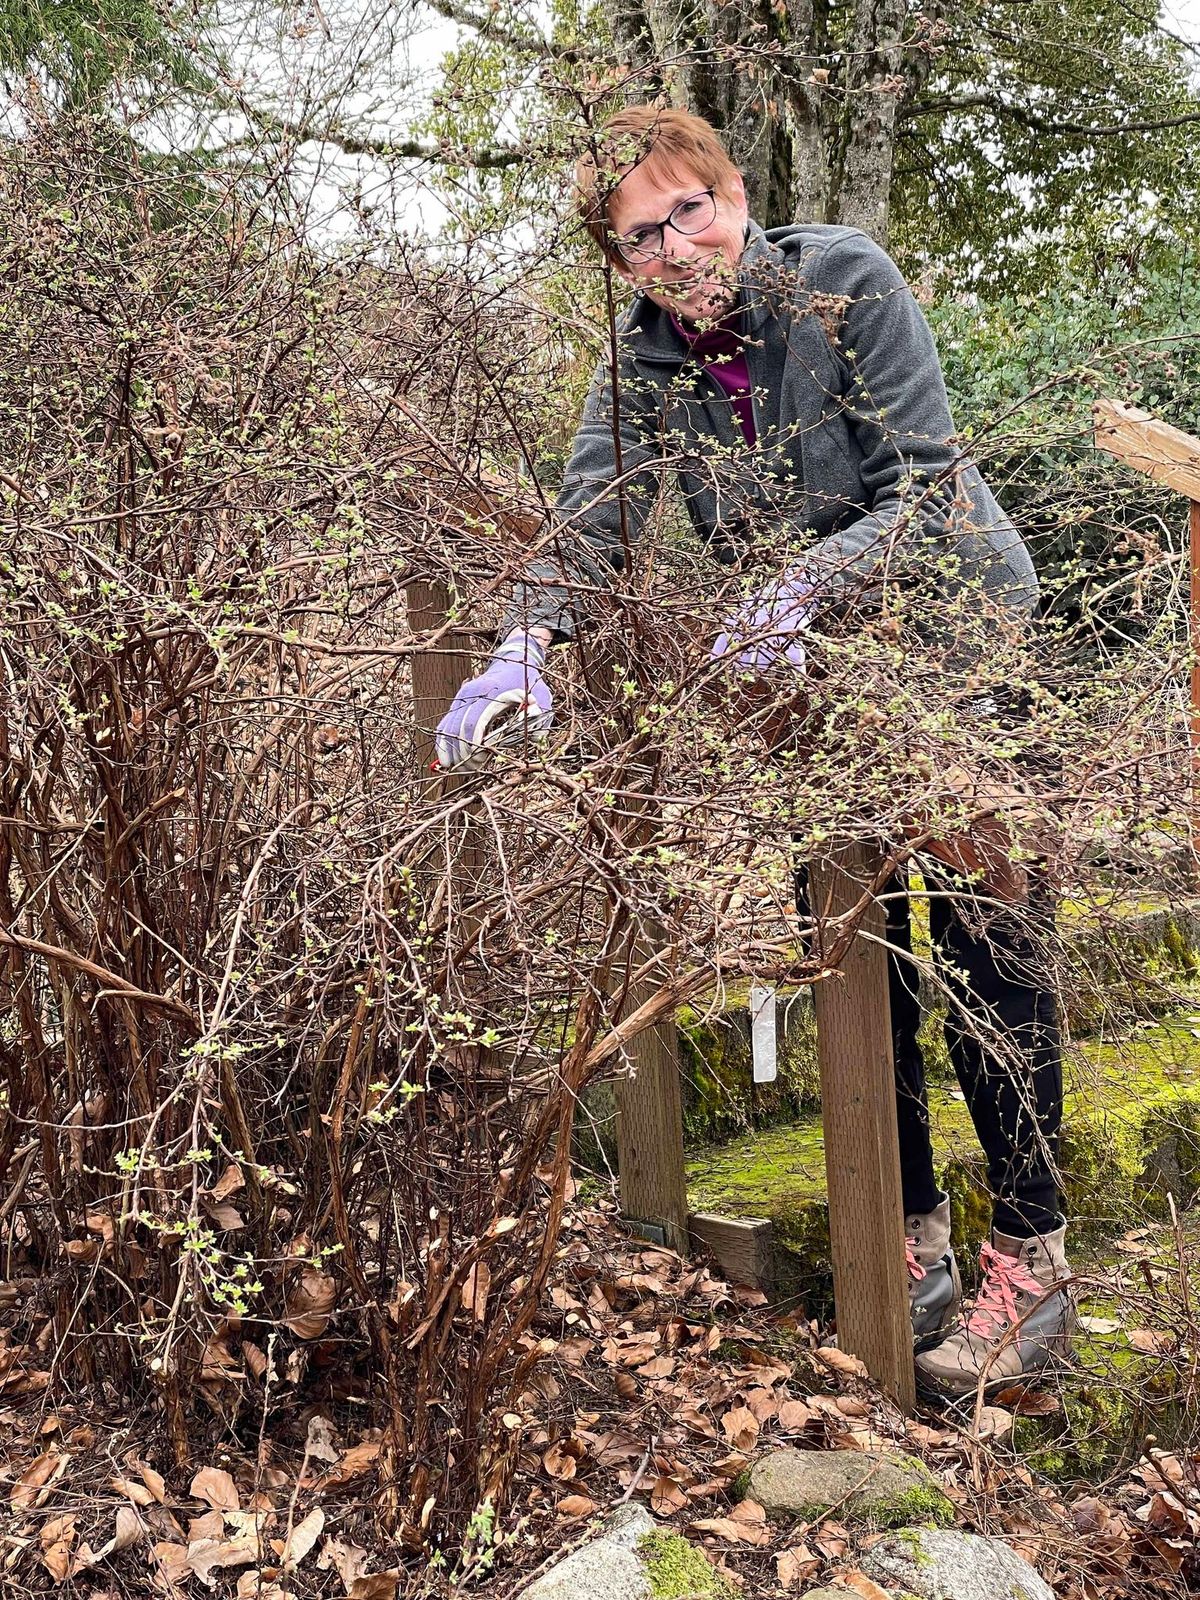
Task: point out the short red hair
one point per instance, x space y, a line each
663 138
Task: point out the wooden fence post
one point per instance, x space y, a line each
862 1151
650 1159
436 674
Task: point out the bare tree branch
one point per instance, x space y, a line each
940 105
357 143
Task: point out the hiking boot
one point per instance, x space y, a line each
1023 1282
934 1289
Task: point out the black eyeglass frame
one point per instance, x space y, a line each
643 254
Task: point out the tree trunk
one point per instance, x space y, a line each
756 69
873 82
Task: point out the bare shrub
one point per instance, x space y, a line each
292 1030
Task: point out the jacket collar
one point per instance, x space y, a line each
648 330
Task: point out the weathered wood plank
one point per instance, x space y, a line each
1149 445
744 1246
650 1124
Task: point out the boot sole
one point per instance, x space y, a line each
941 1396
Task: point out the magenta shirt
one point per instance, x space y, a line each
721 351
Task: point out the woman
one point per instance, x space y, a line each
799 359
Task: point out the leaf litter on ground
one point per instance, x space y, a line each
657 1381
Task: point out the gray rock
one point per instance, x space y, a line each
884 1490
947 1564
617 1565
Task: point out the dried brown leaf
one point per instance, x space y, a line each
862 1585
833 1546
214 1485
475 1289
562 1457
763 1402
1032 1403
209 1526
207 1556
376 1586
1149 1342
740 1427
746 1524
747 1295
225 1216
172 1558
310 1300
658 1367
666 1497
128 1530
256 1585
794 1415
994 1423
302 1538
230 1181
81 1251
1090 1515
695 1419
794 1565
57 1540
34 1484
348 1560
1099 1325
137 1492
357 1461
926 1437
154 1481
575 1505
840 1361
850 1406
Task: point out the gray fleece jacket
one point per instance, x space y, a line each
856 476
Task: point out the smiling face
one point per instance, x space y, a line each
695 275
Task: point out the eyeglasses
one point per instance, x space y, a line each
692 215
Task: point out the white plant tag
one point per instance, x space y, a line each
762 1034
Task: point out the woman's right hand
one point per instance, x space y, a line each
768 629
504 706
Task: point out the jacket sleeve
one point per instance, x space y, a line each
587 545
922 493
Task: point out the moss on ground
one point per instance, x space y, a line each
1131 1134
721 1101
675 1568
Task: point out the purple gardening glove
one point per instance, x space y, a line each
768 628
507 704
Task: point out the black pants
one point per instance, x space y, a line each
1003 1038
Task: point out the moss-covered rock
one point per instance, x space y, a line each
950 1564
1118 950
631 1558
676 1569
720 1097
870 1488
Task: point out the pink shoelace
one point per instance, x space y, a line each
1003 1279
915 1270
